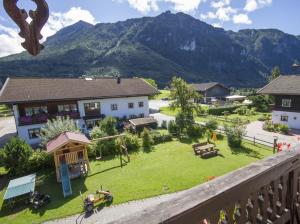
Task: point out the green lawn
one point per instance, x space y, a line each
5 111
245 118
163 94
170 167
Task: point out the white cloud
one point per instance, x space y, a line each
220 3
11 42
145 6
59 20
185 5
224 14
217 25
252 5
241 19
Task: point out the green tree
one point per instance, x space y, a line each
184 98
275 73
16 155
147 139
235 134
261 102
55 127
108 125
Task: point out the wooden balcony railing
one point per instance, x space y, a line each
267 191
72 157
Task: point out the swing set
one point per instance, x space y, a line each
123 149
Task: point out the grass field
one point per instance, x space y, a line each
163 94
5 111
169 167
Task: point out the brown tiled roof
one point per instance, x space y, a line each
283 85
205 86
65 138
46 89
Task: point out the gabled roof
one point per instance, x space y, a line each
283 85
65 138
205 86
17 90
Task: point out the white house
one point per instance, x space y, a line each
286 92
35 100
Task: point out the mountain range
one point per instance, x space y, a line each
159 48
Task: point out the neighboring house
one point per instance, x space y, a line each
286 92
212 91
35 100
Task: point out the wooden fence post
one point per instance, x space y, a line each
254 140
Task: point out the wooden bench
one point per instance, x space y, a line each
205 150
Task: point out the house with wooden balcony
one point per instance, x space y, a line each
286 92
87 101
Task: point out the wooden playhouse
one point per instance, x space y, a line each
70 149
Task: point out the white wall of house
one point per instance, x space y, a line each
293 118
23 133
123 110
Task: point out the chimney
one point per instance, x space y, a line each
119 79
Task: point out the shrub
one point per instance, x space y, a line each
251 111
284 129
161 138
211 125
132 142
218 111
55 127
260 102
195 131
235 135
97 132
264 117
173 128
106 148
108 125
40 160
147 139
16 154
241 110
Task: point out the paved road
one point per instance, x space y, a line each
7 129
256 129
156 104
112 214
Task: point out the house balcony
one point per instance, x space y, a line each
43 118
267 191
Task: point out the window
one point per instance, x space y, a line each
286 103
30 111
114 107
67 108
142 115
92 106
34 133
284 118
130 105
90 124
132 116
141 104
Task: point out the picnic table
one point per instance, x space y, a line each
205 150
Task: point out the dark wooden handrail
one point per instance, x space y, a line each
263 192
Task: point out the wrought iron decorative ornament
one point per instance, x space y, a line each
30 32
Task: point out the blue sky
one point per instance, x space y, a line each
229 14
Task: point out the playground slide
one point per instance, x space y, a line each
65 180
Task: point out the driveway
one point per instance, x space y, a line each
7 129
256 129
154 105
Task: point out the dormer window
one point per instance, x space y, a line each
286 103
